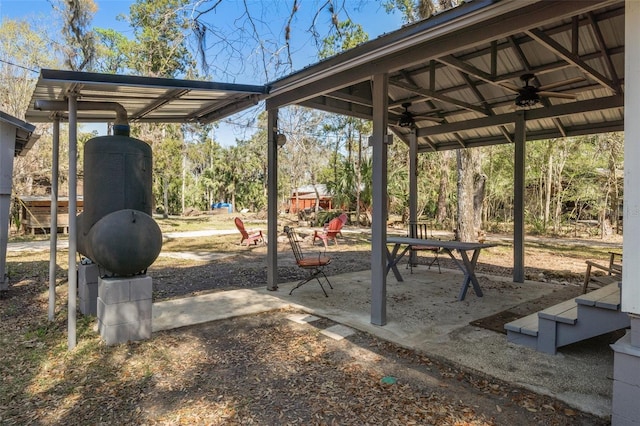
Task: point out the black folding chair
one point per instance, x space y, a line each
420 230
314 265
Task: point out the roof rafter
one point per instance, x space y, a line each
435 95
572 58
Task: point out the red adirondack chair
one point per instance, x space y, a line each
251 236
331 230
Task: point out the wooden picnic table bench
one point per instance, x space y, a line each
468 252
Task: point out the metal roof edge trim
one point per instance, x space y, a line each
135 80
28 127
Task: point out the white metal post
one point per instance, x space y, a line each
53 234
73 230
631 244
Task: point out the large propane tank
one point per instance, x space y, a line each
116 228
117 175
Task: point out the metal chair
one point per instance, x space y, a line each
420 230
314 265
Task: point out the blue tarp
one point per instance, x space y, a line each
222 206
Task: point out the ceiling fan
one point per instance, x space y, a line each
408 119
530 95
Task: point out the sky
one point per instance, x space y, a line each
246 68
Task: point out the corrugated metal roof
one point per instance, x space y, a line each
464 66
145 99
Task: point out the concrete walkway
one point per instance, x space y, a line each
424 315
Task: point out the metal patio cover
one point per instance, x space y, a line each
458 69
146 99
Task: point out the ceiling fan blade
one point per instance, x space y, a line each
552 86
557 95
427 118
511 87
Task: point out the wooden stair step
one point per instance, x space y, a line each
606 298
565 312
526 325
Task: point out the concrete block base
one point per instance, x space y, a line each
625 409
124 308
88 289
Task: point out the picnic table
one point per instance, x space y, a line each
468 251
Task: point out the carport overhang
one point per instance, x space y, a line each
78 97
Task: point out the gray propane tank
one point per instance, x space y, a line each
116 229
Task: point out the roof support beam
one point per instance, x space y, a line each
565 54
453 62
435 95
534 114
317 103
214 113
582 130
379 140
347 97
481 98
603 49
170 96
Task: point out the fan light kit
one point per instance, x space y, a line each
530 95
406 118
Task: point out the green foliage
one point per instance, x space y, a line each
348 35
159 27
114 51
415 10
23 49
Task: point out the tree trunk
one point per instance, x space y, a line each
359 179
467 163
548 186
479 181
184 177
614 151
557 184
165 198
443 196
